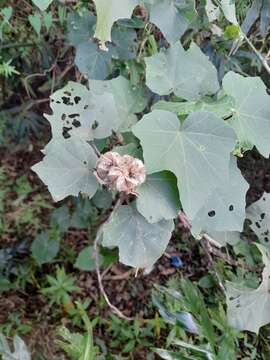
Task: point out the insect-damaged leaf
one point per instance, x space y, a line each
188 74
67 169
87 114
249 309
158 197
197 152
224 209
251 111
128 99
140 243
259 215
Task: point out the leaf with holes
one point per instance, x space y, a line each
188 74
251 111
197 152
128 99
249 309
224 209
108 13
171 16
80 113
140 243
259 215
158 197
67 169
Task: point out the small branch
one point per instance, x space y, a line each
99 276
261 58
93 145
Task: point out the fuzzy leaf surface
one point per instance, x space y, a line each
140 243
110 11
67 169
224 209
197 152
158 197
170 16
251 111
259 215
188 74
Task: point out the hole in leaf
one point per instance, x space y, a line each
95 125
266 239
72 116
66 100
85 107
65 132
212 213
85 162
262 216
77 99
258 225
231 208
58 102
63 117
67 93
76 123
264 199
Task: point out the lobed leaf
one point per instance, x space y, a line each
67 169
197 152
188 74
251 111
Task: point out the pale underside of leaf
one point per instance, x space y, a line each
251 111
110 11
140 243
188 74
197 152
67 169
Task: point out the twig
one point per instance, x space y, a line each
259 55
96 255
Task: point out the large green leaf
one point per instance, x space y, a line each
158 197
197 152
80 27
249 309
188 74
225 237
110 11
140 243
222 106
259 215
128 99
251 111
93 62
224 209
170 16
67 169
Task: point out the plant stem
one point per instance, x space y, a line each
96 254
